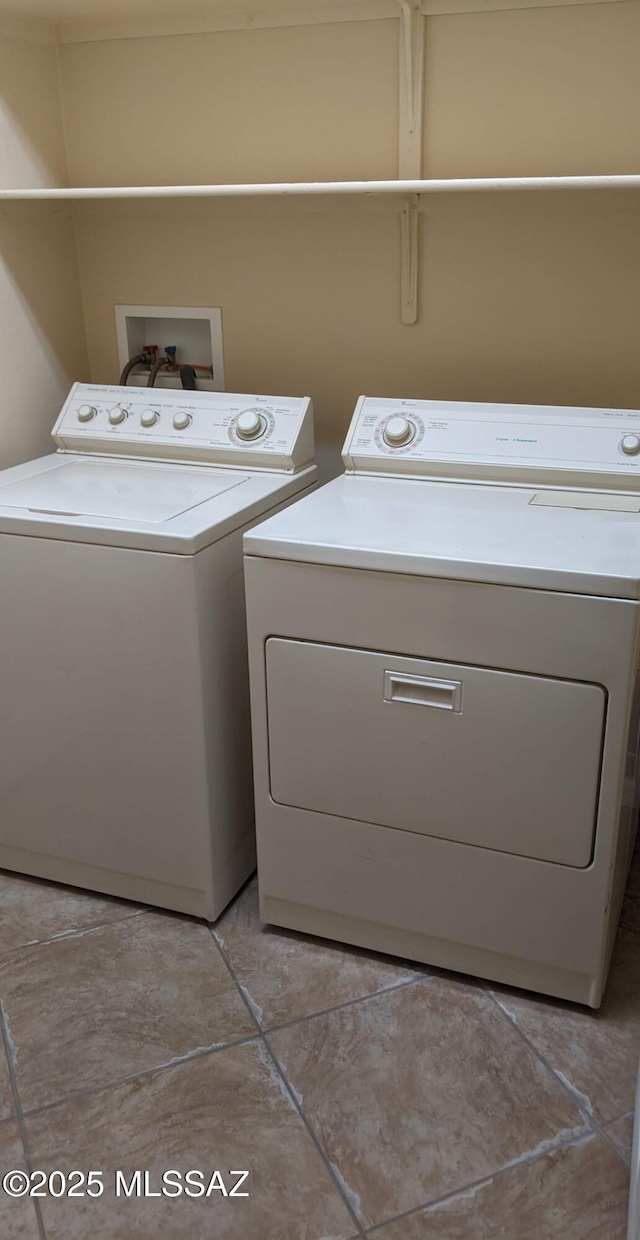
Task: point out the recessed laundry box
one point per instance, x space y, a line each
484 757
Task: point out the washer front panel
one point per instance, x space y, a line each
189 426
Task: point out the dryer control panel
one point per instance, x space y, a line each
253 432
558 445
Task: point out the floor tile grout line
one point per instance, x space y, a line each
338 1007
76 932
602 1129
19 1117
291 1093
218 944
616 1119
609 1124
594 1124
571 1093
295 1102
170 1065
586 1135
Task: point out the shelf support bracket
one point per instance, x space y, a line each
411 109
412 41
409 259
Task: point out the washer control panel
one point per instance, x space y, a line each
518 443
258 432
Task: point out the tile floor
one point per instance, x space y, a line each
365 1096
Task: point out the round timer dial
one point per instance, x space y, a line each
398 433
250 424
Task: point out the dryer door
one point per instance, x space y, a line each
497 759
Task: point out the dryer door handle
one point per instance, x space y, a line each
423 691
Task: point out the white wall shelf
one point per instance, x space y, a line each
306 188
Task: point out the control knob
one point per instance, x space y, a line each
249 425
149 417
398 431
117 415
630 445
86 413
181 420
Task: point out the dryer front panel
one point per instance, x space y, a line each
487 757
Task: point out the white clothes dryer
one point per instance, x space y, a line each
125 751
443 648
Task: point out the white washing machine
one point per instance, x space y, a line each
125 752
443 646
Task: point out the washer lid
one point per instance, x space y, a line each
143 505
121 491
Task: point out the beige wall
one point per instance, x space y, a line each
541 91
31 138
522 91
516 91
529 297
522 297
43 340
297 103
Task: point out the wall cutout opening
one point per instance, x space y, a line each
184 335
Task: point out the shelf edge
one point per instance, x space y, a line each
309 188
